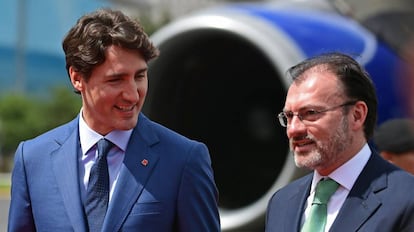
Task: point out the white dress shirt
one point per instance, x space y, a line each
88 139
345 176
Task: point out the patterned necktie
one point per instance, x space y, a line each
98 188
317 216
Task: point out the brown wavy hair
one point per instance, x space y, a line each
86 42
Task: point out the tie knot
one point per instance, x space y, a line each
324 191
103 147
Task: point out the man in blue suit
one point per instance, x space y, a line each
158 180
330 114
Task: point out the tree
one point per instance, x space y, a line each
23 117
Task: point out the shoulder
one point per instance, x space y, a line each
400 180
151 131
171 145
297 186
385 179
51 138
174 149
377 167
290 196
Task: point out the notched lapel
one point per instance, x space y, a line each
65 168
299 198
137 167
362 201
355 212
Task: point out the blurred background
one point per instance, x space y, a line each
237 51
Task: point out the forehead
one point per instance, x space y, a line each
120 61
315 87
118 55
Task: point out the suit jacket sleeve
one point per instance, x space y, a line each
198 196
20 212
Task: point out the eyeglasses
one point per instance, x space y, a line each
308 115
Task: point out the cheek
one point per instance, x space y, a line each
320 132
142 89
101 99
333 125
105 95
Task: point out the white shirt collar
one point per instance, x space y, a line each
88 137
347 174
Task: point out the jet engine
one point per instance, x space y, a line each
220 79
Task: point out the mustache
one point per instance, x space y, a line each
302 137
298 139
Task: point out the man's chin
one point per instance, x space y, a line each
128 125
305 160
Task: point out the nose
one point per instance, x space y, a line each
295 127
130 91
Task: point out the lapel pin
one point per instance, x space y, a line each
144 162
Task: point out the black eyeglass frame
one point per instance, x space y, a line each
284 118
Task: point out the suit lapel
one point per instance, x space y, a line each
138 164
362 200
298 198
65 168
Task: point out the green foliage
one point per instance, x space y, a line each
64 106
23 117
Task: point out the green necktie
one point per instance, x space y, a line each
317 216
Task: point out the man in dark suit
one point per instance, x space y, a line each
330 114
157 180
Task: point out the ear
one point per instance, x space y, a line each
359 115
75 79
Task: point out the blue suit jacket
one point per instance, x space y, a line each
382 199
175 191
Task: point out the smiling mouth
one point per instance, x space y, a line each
125 108
301 142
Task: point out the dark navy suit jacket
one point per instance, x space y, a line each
174 191
381 200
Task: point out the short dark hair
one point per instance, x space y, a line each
356 82
86 42
395 135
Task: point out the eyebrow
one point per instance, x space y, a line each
142 70
119 74
310 106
